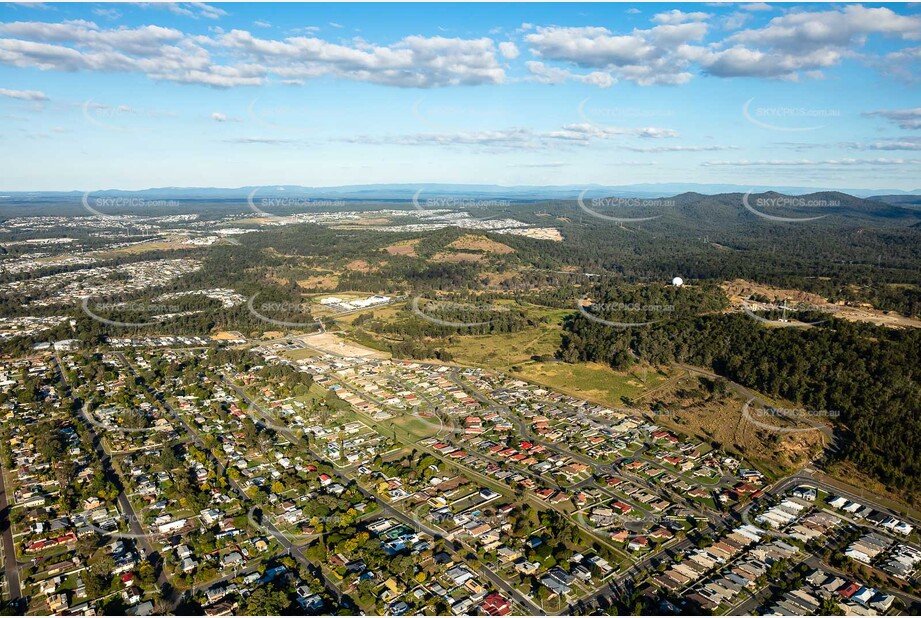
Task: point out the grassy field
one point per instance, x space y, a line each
504 350
421 428
720 420
303 353
316 393
380 313
157 245
593 381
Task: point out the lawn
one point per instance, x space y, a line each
419 427
300 354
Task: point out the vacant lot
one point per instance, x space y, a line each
458 256
333 344
473 242
691 409
419 427
594 381
300 354
404 247
503 350
319 282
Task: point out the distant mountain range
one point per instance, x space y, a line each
406 191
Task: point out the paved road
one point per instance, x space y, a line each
241 494
389 509
134 521
9 548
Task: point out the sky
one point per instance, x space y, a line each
102 95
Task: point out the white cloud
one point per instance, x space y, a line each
798 44
262 24
904 118
646 57
804 42
107 13
219 117
415 61
24 95
908 142
660 149
795 45
679 17
821 162
31 5
808 31
168 54
544 74
756 6
521 138
509 50
734 21
188 9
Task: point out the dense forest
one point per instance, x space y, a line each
869 376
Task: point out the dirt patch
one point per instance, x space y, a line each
333 344
359 266
226 335
368 221
498 278
457 257
472 242
404 247
688 406
319 282
739 290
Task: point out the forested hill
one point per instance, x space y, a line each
868 375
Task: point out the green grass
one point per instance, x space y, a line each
300 354
503 350
592 381
415 425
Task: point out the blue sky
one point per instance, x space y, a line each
97 95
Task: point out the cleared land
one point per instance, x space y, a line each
404 247
473 242
692 409
594 381
502 350
458 256
333 344
739 289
